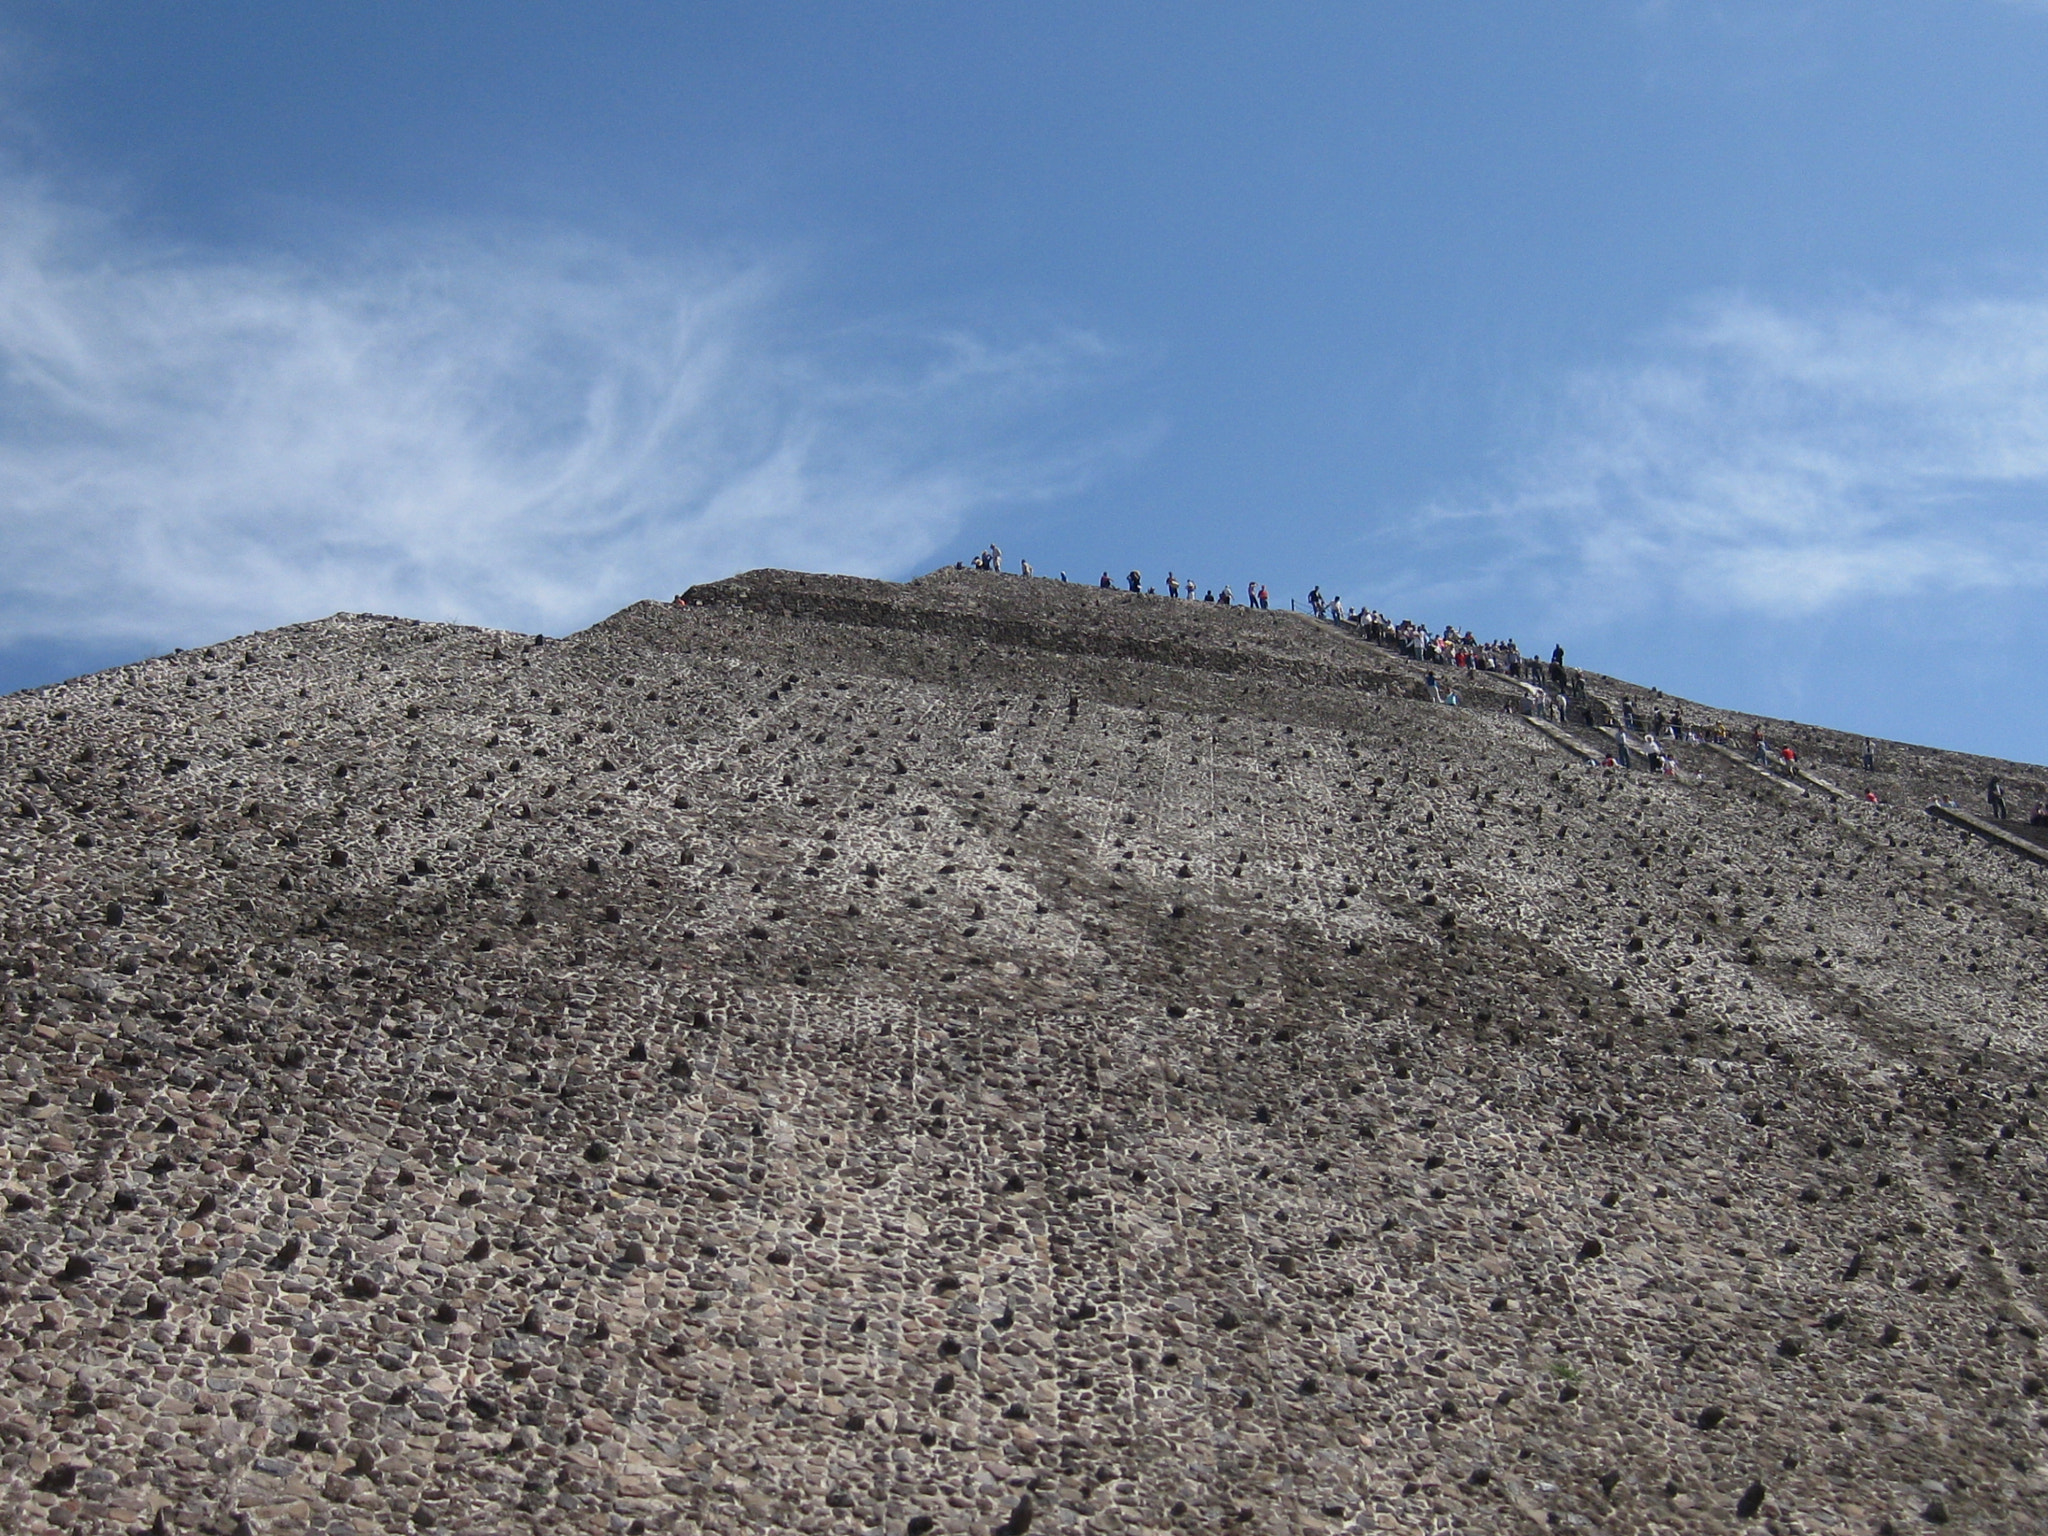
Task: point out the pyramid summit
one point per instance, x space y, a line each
988 1053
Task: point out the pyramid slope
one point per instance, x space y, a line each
842 1056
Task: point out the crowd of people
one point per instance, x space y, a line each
1554 692
1256 593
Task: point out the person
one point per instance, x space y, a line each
1063 575
1995 793
1870 795
995 558
2040 816
1621 748
1107 584
1429 681
1137 582
1265 596
1172 585
1869 755
1023 567
1790 757
1315 600
1223 598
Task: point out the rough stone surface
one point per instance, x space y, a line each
985 1055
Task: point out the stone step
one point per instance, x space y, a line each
1990 831
1562 738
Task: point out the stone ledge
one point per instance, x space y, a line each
1990 831
1562 738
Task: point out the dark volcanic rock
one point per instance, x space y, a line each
981 1055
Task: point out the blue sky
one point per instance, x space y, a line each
1710 339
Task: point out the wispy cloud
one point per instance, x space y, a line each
519 429
1761 459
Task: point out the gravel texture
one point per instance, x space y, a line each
987 1055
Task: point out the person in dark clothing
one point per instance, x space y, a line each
1137 582
1107 584
1995 793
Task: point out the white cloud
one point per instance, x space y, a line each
1787 464
520 430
